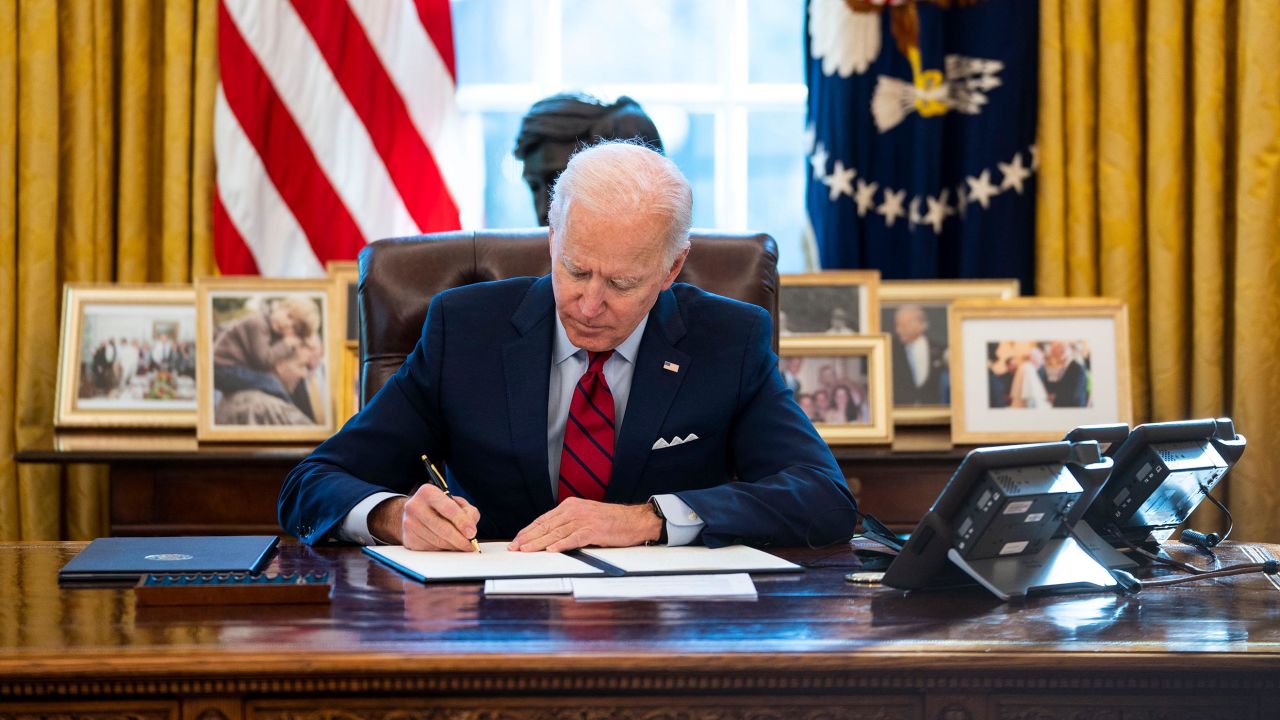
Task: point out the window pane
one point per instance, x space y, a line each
507 200
690 141
775 184
492 41
775 38
641 41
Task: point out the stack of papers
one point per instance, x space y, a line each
655 572
733 586
663 560
493 561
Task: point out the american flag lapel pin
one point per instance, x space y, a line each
670 366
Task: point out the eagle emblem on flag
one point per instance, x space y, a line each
846 37
921 136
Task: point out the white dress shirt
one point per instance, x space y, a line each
568 363
918 359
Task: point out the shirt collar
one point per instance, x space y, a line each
563 349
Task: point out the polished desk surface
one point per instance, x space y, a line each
814 622
113 446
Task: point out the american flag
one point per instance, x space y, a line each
334 125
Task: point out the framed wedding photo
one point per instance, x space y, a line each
1032 369
835 302
841 384
914 314
346 278
127 357
267 352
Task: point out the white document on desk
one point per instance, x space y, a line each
493 561
730 586
664 560
529 586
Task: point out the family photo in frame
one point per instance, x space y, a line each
266 352
127 357
1032 369
914 314
837 302
841 384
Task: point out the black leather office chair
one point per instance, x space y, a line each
399 276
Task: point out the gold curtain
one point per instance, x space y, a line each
106 174
1160 184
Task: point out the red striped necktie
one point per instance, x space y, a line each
587 459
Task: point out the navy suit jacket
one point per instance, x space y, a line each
473 396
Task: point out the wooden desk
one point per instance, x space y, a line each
165 483
168 484
811 648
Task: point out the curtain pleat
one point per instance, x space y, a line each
1208 202
1255 373
10 524
40 491
1118 180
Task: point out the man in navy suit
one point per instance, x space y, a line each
600 405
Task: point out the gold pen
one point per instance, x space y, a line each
437 479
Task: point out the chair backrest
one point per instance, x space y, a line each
400 276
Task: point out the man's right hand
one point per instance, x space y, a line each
430 520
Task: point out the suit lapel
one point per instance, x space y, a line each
653 388
526 364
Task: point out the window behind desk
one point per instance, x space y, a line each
722 79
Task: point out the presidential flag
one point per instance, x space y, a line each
334 125
922 120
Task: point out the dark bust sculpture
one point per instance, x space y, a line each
557 126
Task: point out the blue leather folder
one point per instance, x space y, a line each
129 558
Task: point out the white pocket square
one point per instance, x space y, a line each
677 440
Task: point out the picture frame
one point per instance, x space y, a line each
127 357
915 312
829 303
859 363
1032 369
268 359
346 278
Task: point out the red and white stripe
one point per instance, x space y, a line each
335 125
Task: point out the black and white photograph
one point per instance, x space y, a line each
838 303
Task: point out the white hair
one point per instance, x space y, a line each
625 178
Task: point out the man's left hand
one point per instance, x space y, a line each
578 523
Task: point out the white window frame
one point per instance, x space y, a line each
730 99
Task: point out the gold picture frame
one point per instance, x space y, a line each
346 279
238 398
911 404
832 303
872 423
1032 369
127 357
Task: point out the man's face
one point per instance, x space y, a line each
827 375
542 166
909 323
1058 353
607 273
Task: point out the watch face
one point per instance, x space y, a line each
662 533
